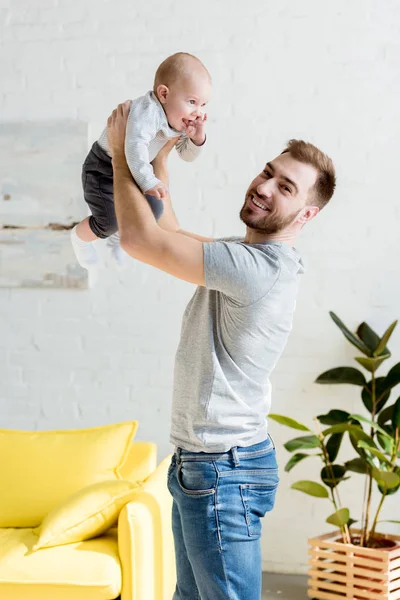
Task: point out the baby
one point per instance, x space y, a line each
175 107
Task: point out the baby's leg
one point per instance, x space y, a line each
156 206
84 231
98 193
81 238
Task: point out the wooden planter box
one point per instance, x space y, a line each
345 571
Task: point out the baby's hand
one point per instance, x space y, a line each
195 129
159 191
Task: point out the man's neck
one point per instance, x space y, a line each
285 237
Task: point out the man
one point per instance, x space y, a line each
223 476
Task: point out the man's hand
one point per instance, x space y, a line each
165 150
116 128
160 191
195 130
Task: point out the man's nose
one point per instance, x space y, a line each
265 188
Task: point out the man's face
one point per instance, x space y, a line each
277 197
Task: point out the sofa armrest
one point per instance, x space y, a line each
145 541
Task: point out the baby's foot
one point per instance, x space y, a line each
85 252
114 244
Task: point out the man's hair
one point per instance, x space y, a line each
322 190
177 66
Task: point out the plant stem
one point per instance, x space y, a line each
372 532
364 508
345 530
365 535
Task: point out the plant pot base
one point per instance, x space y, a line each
349 571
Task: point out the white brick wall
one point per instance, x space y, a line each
325 71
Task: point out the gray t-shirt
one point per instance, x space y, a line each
233 332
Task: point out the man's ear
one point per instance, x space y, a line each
162 93
308 213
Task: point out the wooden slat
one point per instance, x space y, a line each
346 558
347 549
360 574
342 589
348 568
319 595
394 574
394 586
345 578
357 574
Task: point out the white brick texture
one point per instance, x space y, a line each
327 72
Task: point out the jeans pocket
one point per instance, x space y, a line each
197 478
258 499
171 468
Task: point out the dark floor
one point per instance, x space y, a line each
284 587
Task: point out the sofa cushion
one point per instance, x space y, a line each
38 470
86 514
140 462
88 570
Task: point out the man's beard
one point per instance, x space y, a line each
270 224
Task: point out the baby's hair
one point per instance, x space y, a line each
177 66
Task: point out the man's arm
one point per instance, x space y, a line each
141 237
168 219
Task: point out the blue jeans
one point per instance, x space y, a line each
218 501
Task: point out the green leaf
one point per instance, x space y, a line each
359 434
333 476
370 338
386 480
385 415
339 518
353 339
334 417
396 414
388 492
385 443
375 452
295 459
392 490
311 488
370 363
356 434
357 465
372 423
381 395
385 338
333 446
393 377
343 427
342 375
305 442
389 521
340 428
288 422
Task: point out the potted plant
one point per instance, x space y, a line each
354 563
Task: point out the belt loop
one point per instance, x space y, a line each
178 454
235 456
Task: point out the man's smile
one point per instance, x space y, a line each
255 201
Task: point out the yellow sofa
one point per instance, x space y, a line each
133 560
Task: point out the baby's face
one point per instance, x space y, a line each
186 100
